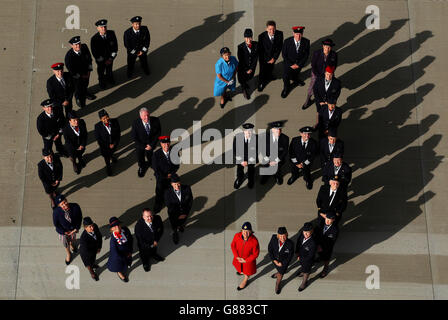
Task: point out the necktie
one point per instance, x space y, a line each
250 45
326 228
167 155
297 46
147 128
62 82
150 226
93 235
67 216
271 38
104 37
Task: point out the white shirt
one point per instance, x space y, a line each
136 31
108 128
326 227
167 154
306 142
336 169
330 113
305 240
149 224
271 37
178 194
49 115
331 147
61 81
332 191
144 125
327 84
73 128
50 165
297 45
280 246
92 234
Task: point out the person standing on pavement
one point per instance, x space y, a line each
226 67
90 245
121 246
281 251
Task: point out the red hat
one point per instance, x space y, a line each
330 69
164 139
298 29
57 66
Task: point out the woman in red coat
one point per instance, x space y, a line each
245 250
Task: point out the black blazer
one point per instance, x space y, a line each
306 251
344 173
247 60
57 92
333 92
324 121
318 63
48 127
146 237
104 138
71 139
282 145
104 49
81 64
162 165
291 56
297 154
135 43
325 154
141 138
248 152
328 239
268 50
88 246
338 205
285 254
63 225
175 207
48 176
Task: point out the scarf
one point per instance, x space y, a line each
120 237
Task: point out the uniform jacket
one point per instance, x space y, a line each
333 92
81 64
63 225
298 154
141 138
325 154
104 138
344 174
118 257
247 60
248 152
284 255
57 92
162 165
48 127
88 246
104 49
268 50
306 251
319 64
248 250
175 207
135 43
324 118
291 56
326 240
146 237
48 176
71 139
339 203
281 144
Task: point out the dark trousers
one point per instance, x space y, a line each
74 153
143 63
141 155
266 70
48 144
306 170
277 174
108 154
146 254
104 71
244 78
250 172
81 86
161 185
176 222
290 75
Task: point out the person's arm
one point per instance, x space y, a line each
89 56
99 138
305 54
271 249
254 252
254 49
114 45
95 51
278 45
233 246
159 231
292 155
135 136
146 40
83 133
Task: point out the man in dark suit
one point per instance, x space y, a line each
329 116
79 63
90 245
302 151
281 251
50 172
245 152
270 45
274 152
329 146
321 59
247 61
295 52
104 47
107 134
339 168
164 168
305 249
327 88
60 88
179 200
49 125
148 231
326 237
145 133
136 40
75 136
331 198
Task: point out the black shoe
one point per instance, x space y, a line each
68 262
250 184
74 250
95 277
175 238
222 105
291 180
274 276
237 184
103 85
309 185
109 170
279 180
284 93
278 290
261 87
239 289
82 162
300 274
146 267
95 266
238 274
141 172
126 279
264 179
158 258
114 159
302 288
323 274
305 107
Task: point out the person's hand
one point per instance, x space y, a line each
65 103
338 214
298 258
81 148
98 251
326 132
182 216
108 61
239 259
56 137
155 244
148 147
139 53
249 71
231 81
294 66
271 61
273 163
244 163
111 145
300 165
242 260
323 215
169 176
54 184
323 103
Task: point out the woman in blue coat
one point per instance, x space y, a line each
120 256
225 68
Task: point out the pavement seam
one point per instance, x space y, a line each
27 143
420 132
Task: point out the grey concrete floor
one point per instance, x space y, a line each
394 123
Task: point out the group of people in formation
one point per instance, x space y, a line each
58 120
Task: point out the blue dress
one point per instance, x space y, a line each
118 260
226 70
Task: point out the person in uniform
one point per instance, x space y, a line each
321 59
281 251
331 198
79 63
50 172
245 249
179 200
163 167
75 136
329 146
277 144
136 41
121 247
60 88
270 43
107 134
327 88
339 168
90 245
326 237
49 125
145 133
104 47
302 151
226 67
148 231
67 219
295 52
305 250
329 116
247 59
245 151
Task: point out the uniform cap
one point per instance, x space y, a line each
59 198
87 221
332 132
306 129
72 115
331 215
175 178
164 139
224 50
334 177
101 23
282 230
75 40
298 29
247 226
276 124
102 113
248 33
46 152
57 66
330 69
308 226
328 42
248 126
114 222
136 19
46 103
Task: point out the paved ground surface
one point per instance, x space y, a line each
394 125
